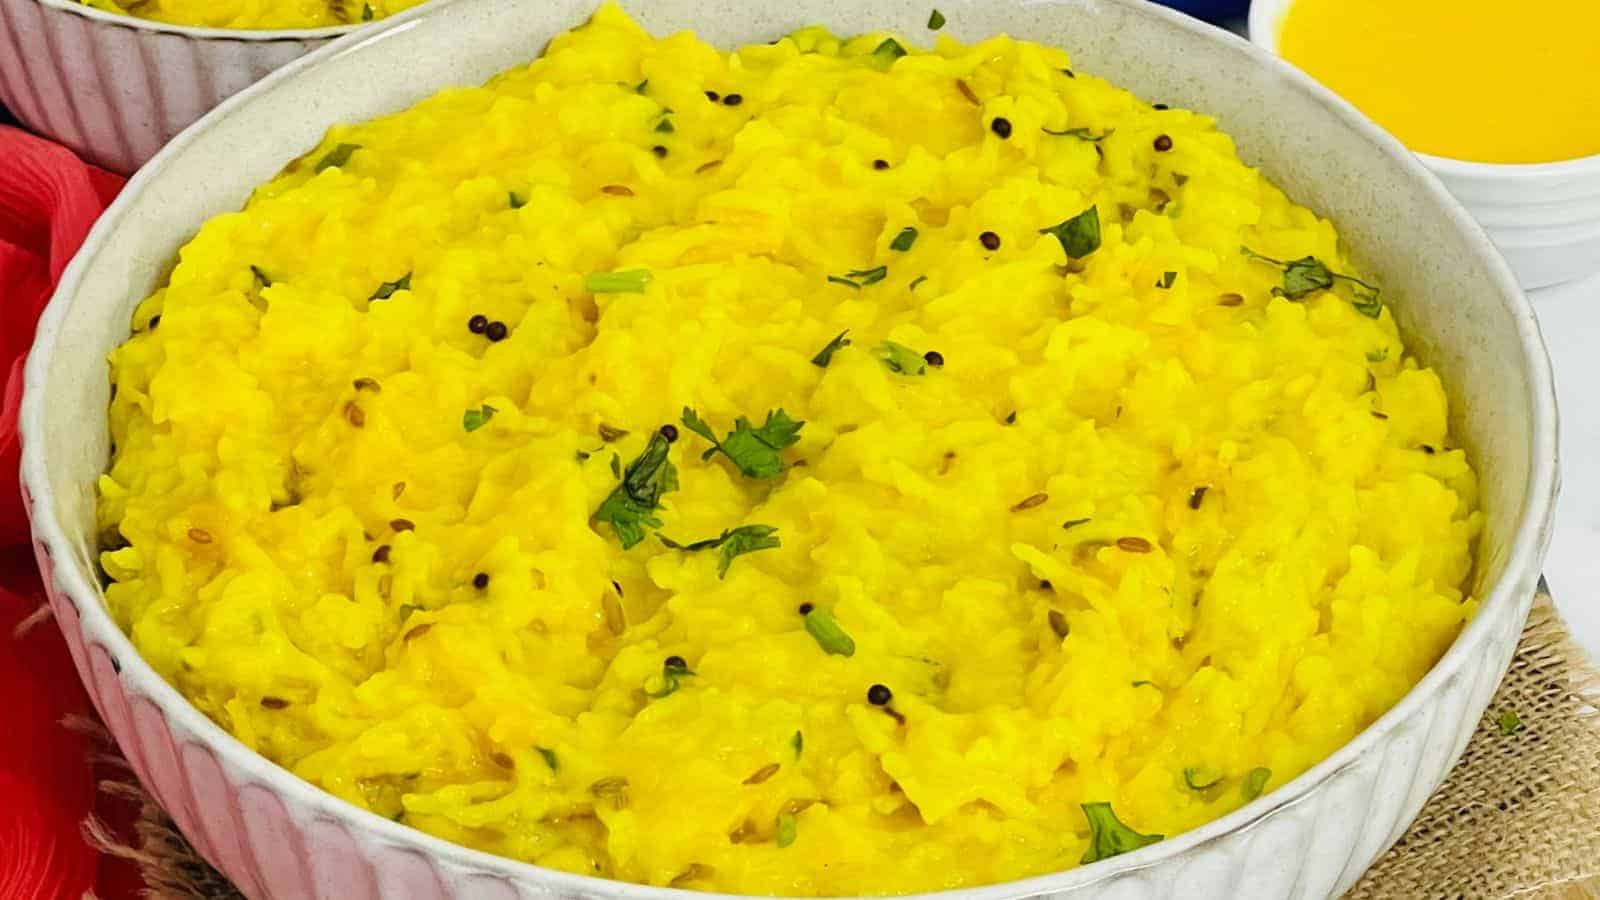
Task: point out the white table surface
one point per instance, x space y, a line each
1570 317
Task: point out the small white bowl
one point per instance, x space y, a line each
1544 217
116 88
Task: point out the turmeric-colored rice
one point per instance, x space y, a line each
256 14
1144 532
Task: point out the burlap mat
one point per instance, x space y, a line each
1519 816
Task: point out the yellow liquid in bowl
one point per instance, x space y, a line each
1462 79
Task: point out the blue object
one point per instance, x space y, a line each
1209 10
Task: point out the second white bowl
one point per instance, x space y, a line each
116 88
1544 217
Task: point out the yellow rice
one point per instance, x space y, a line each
256 14
1252 626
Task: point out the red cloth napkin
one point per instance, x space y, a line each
48 200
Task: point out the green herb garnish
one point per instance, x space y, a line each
1079 235
609 433
616 466
641 86
262 278
859 278
886 53
903 241
1378 355
514 201
1082 134
473 419
757 452
1198 778
936 21
665 126
1308 275
1167 280
1509 723
916 281
901 359
626 281
787 829
366 12
734 543
1108 837
825 355
388 288
1255 781
672 674
798 742
549 758
336 157
822 626
630 507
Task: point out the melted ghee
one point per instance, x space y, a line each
1460 78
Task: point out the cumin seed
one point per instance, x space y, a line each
1030 502
762 774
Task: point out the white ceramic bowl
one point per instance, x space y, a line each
116 88
279 837
1544 217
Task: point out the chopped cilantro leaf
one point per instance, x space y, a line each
757 452
901 359
672 673
1254 782
936 21
337 157
1108 837
473 419
788 829
549 758
630 507
825 629
390 288
1079 235
1198 778
825 355
886 53
1082 134
733 543
627 281
903 241
1307 275
1509 723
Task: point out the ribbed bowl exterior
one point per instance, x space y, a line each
116 90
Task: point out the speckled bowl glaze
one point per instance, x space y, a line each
1545 217
277 836
116 88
